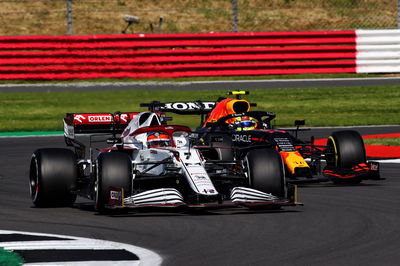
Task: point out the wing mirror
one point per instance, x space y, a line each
298 123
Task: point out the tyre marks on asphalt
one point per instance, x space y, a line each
48 249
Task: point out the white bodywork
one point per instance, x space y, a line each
144 119
184 157
181 156
190 163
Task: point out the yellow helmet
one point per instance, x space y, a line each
245 123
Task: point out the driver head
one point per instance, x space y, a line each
245 123
157 140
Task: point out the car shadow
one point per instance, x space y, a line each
333 185
180 211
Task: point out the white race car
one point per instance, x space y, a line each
149 164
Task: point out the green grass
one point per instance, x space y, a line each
318 106
8 258
383 141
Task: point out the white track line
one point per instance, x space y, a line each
387 161
146 257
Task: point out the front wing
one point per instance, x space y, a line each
172 198
363 171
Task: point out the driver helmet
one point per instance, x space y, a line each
244 123
156 140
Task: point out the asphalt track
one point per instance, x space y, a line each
338 225
202 85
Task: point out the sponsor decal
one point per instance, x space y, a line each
241 138
115 195
195 166
99 118
209 191
374 166
79 118
217 139
189 106
200 179
284 144
124 117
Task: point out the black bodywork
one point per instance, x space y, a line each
221 141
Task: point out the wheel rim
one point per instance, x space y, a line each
333 158
34 179
96 187
247 171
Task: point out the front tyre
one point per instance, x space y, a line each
52 175
265 171
346 149
113 170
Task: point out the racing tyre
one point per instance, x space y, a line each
52 175
225 153
113 170
266 172
347 149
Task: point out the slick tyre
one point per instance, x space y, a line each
53 175
346 149
113 170
225 152
265 171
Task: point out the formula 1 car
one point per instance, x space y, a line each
149 164
230 131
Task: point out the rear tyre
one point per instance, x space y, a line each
52 175
225 151
265 171
347 149
113 170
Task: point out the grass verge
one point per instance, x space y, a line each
318 106
8 258
383 141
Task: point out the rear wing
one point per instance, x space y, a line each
188 108
87 123
191 108
184 108
197 107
